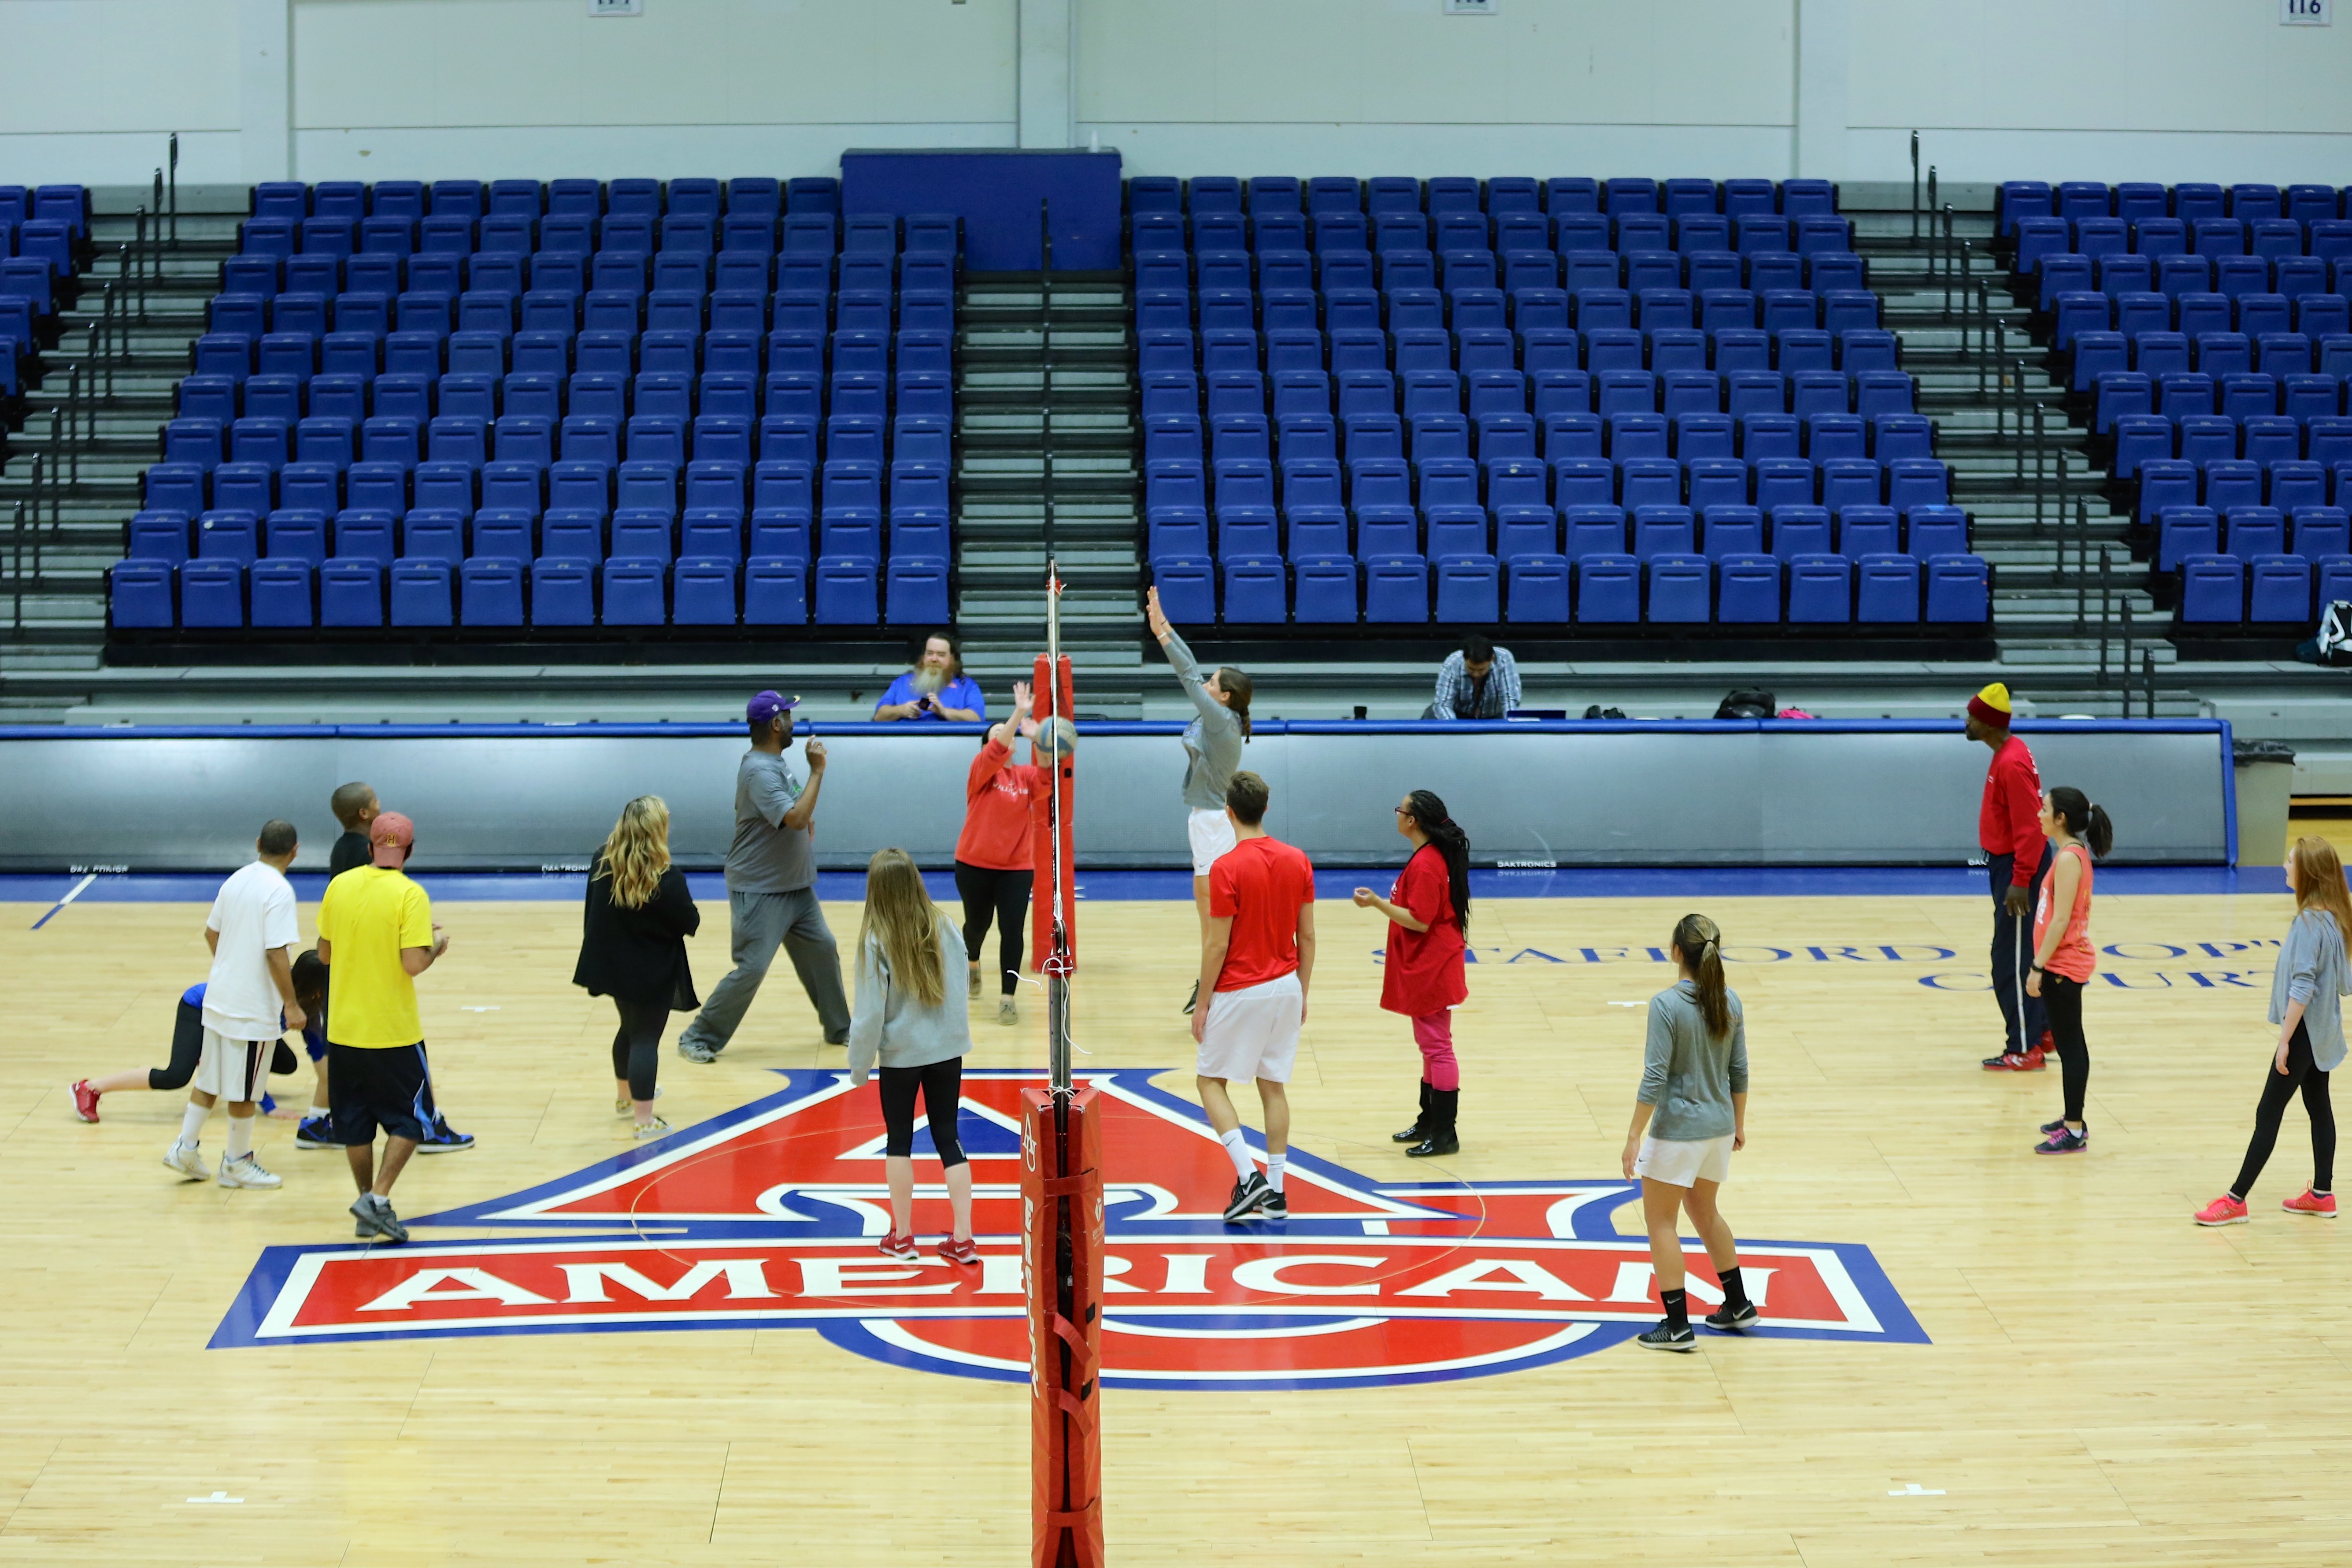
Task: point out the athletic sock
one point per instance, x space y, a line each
1735 1294
240 1137
1237 1151
192 1123
1274 1168
1678 1306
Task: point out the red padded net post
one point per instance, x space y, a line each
1051 699
1061 1264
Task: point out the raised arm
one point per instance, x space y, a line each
804 809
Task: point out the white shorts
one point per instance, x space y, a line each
234 1069
1253 1032
1679 1162
1212 832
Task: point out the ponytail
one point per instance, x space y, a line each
1702 948
1428 814
1237 689
2084 818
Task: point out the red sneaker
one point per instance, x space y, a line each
2015 1061
959 1252
2316 1204
2033 1058
901 1248
2048 1044
2224 1210
85 1100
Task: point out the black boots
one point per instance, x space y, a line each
1415 1133
1437 1123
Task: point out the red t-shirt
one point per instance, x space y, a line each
1260 882
996 815
1423 973
2008 822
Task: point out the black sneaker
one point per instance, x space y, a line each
1247 1195
316 1133
446 1139
2050 1127
376 1219
1726 1320
1193 1000
1666 1337
1275 1207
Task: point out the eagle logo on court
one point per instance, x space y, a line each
767 1217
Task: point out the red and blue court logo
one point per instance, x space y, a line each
767 1217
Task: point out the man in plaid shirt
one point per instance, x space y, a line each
1478 682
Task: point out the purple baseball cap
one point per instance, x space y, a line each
767 705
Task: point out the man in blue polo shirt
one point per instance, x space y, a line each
937 688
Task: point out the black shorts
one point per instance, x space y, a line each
391 1088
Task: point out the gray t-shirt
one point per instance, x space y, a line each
1687 1074
767 857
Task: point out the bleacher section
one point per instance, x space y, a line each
44 243
1566 405
511 410
2207 334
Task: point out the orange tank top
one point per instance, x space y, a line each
2073 959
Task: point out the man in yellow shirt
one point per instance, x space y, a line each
376 934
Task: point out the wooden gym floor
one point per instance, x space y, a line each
2102 1378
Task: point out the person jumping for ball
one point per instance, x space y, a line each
1255 962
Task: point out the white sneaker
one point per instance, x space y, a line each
653 1128
244 1171
626 1108
1008 1011
188 1160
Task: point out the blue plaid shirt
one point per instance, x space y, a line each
1459 696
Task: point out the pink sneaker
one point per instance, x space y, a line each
2224 1210
901 1248
85 1100
2311 1203
959 1252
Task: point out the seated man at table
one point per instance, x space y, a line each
937 688
1479 681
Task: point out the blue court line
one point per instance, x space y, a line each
1175 885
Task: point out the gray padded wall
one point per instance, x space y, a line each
526 797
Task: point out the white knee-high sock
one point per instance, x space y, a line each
240 1137
1274 1165
192 1123
1237 1151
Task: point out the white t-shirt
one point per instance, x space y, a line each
253 912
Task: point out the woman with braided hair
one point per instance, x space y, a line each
1689 1116
1429 920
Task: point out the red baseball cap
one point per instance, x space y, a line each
389 838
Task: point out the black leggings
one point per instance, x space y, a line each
1002 896
2278 1087
942 1087
187 1050
637 1046
2063 1000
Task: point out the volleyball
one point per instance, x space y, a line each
1060 737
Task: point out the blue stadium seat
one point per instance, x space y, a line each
1821 589
212 594
1680 589
2212 589
1538 590
1750 590
1608 590
351 594
2280 590
141 595
1396 590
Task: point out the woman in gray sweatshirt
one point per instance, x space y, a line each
1212 754
2310 976
918 1028
1689 1115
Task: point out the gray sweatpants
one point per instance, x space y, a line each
760 922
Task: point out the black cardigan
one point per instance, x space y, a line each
638 955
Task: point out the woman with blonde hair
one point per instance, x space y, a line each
2309 976
918 1027
633 949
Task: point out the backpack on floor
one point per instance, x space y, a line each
1747 703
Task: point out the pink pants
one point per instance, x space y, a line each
1434 1033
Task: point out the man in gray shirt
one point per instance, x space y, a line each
772 889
